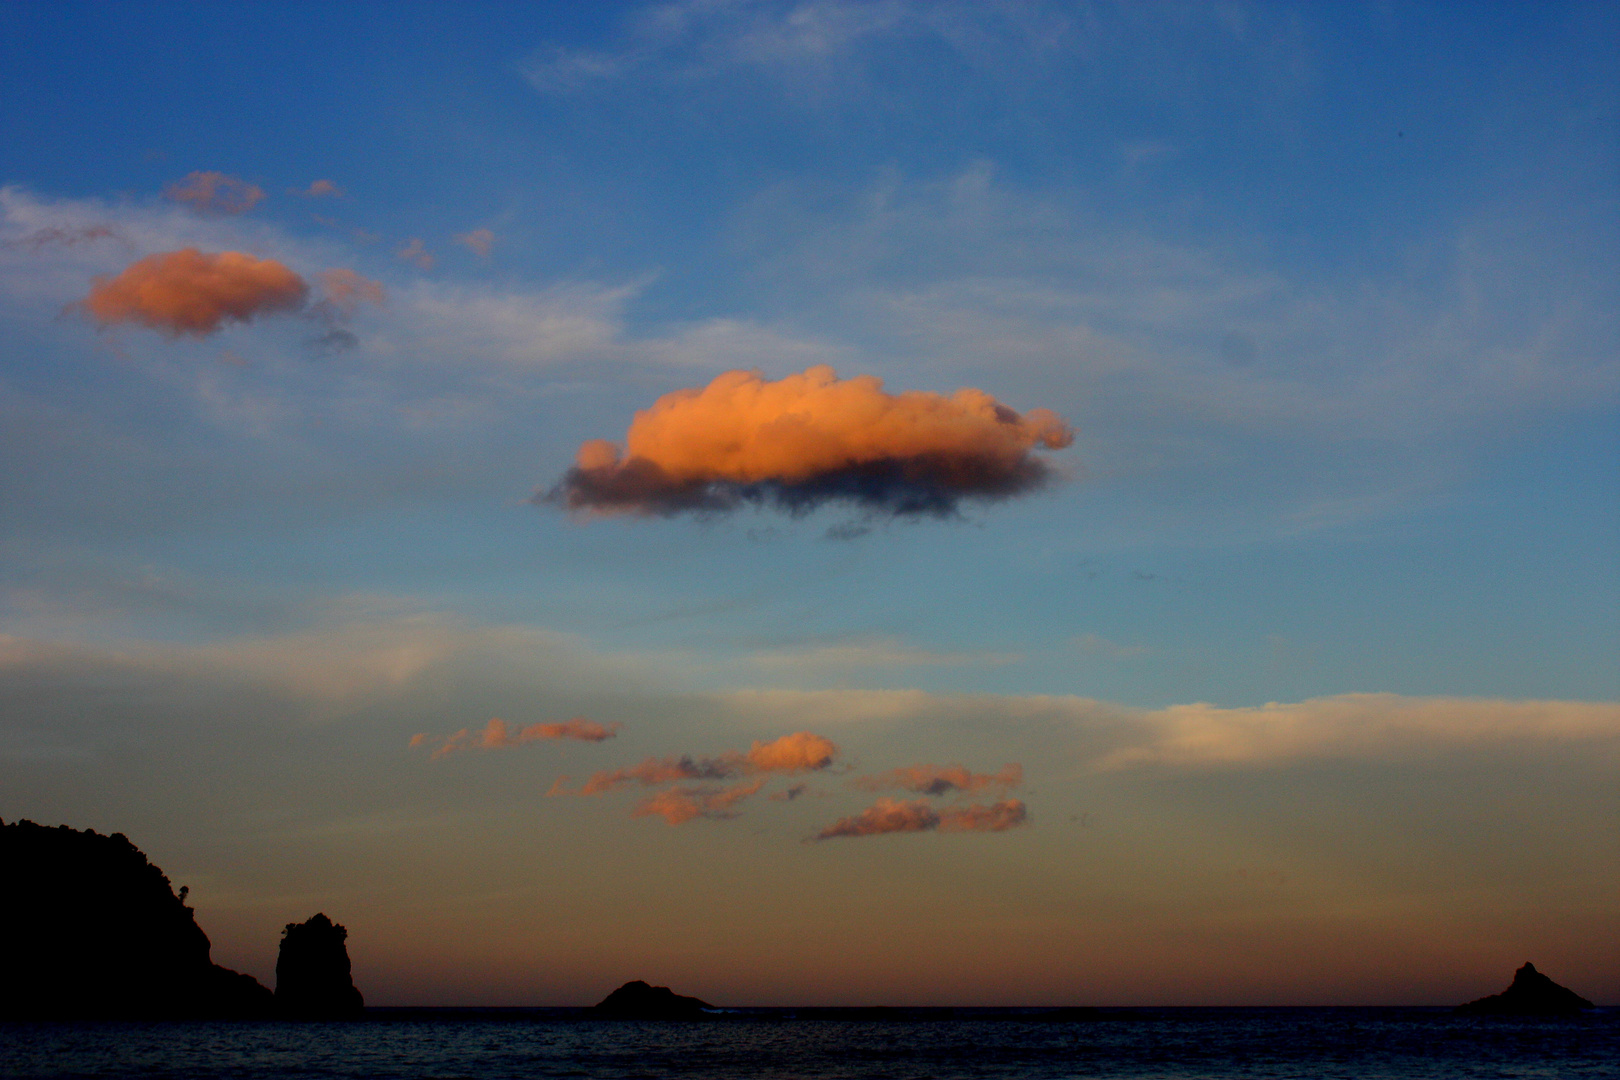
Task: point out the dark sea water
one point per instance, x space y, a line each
1175 1044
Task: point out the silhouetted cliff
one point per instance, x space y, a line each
638 1001
93 930
312 972
1531 993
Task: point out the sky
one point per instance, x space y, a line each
815 502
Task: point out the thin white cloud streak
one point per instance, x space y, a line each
1365 727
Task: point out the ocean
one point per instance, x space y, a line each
941 1044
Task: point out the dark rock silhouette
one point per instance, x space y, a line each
638 1001
1531 994
312 972
94 931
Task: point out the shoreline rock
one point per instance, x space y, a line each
638 1001
1530 994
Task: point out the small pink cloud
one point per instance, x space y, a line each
320 189
346 290
480 241
415 252
496 735
215 193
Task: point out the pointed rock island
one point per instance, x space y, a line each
638 1001
1531 994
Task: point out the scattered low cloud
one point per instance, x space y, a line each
416 253
800 752
942 780
320 189
215 193
809 439
695 791
496 735
681 804
894 816
480 241
191 292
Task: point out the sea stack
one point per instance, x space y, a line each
313 981
638 1001
1531 994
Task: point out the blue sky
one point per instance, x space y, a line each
1327 294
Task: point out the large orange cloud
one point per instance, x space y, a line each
799 752
942 779
497 736
894 816
191 292
808 439
215 193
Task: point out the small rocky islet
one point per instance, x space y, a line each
1530 994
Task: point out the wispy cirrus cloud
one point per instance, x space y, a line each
828 51
56 235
